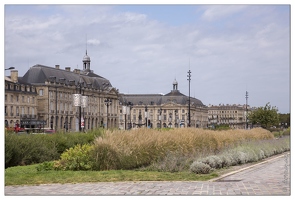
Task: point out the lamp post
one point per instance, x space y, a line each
176 119
170 120
145 115
189 97
107 102
81 102
246 110
130 104
125 113
160 117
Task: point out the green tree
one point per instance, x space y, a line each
266 116
285 119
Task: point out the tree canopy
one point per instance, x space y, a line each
266 116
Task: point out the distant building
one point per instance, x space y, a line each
157 110
232 115
53 92
20 103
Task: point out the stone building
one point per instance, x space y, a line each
20 103
232 115
157 110
55 88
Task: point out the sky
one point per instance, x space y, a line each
142 49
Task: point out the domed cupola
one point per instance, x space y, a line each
86 62
175 85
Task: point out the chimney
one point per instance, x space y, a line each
77 71
68 69
14 76
56 66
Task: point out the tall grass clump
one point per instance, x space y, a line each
142 147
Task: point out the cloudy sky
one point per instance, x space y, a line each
230 49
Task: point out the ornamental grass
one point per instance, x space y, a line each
138 148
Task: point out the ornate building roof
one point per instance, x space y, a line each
157 99
38 74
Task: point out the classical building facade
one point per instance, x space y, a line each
20 103
157 110
232 115
54 89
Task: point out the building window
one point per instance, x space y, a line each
183 111
28 99
11 98
28 110
17 111
33 100
16 98
11 110
41 92
33 111
23 99
5 97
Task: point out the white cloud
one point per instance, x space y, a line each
217 12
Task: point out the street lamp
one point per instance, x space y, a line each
81 102
246 110
160 117
145 114
107 102
130 104
189 97
10 68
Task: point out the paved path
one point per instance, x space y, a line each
271 177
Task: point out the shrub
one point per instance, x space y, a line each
45 166
212 161
172 162
200 168
27 149
227 159
76 158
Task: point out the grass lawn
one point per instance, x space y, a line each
28 175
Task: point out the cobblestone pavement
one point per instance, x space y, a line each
271 177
